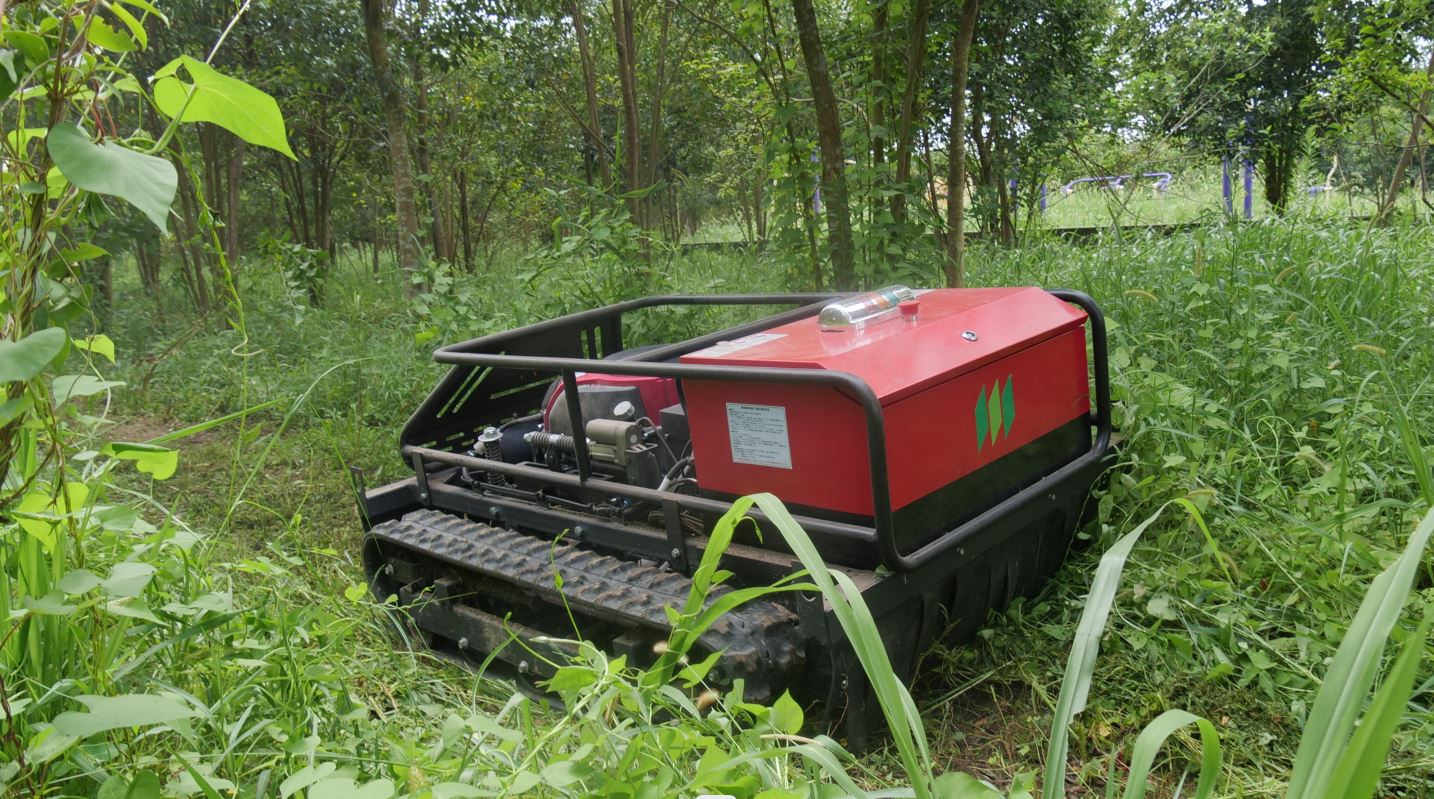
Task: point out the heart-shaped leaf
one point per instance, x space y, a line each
150 459
100 344
23 359
67 387
214 97
144 181
117 712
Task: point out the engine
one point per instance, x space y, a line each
635 430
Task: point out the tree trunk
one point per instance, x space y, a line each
232 203
404 201
193 258
596 144
879 18
659 89
932 198
1391 198
759 204
880 94
218 193
627 81
425 159
905 125
834 194
956 147
463 220
147 260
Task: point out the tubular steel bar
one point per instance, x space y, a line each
594 315
849 533
575 415
481 352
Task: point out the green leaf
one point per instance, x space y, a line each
1159 607
144 181
132 609
1347 682
127 579
83 252
196 429
99 343
697 672
49 605
136 28
49 744
191 781
1357 774
67 387
32 45
159 462
303 778
12 66
37 503
565 772
1080 665
345 788
11 409
1147 746
146 6
79 581
119 712
20 138
100 33
113 788
7 61
959 785
230 103
455 790
787 715
23 359
851 611
524 781
145 786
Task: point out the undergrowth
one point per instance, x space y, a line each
1272 380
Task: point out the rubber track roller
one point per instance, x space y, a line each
759 640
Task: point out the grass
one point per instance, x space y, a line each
1194 195
1271 376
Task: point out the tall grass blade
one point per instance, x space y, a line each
209 424
1351 674
1075 684
1363 760
1414 449
1153 737
907 730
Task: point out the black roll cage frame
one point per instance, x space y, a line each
482 355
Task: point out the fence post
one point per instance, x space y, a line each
1225 185
1249 188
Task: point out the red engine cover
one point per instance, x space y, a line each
975 375
656 392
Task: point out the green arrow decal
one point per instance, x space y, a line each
1008 407
982 420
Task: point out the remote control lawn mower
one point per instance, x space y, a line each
937 446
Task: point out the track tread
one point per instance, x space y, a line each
759 639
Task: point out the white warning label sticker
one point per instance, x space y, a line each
759 435
737 344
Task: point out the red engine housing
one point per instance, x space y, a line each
982 390
656 392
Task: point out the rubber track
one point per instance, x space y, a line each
759 639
